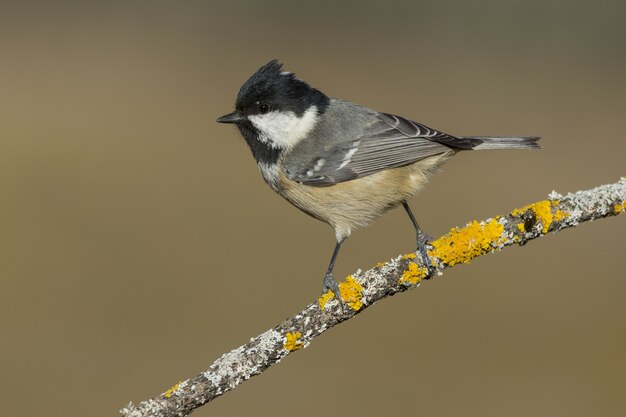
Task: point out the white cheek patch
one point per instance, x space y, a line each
284 129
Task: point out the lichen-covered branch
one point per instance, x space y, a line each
362 289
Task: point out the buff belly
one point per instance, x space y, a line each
349 205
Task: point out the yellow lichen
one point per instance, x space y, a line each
542 210
326 297
379 265
409 256
560 215
618 208
463 245
172 390
521 227
413 275
352 293
292 341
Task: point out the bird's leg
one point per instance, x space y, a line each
329 281
422 239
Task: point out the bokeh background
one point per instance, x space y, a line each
138 241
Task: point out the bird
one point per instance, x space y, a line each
339 162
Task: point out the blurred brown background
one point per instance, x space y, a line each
138 241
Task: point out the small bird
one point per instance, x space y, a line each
339 162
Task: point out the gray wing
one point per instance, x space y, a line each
390 142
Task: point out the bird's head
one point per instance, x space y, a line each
276 108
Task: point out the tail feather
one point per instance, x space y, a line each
503 142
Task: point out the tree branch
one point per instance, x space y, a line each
362 289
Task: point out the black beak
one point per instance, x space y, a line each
233 117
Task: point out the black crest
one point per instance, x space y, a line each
280 91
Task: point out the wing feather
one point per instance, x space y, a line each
390 142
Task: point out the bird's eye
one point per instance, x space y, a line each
263 108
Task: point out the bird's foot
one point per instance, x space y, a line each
332 285
422 243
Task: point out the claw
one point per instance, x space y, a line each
331 284
422 242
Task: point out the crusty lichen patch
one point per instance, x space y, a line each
172 390
463 245
543 214
325 298
292 341
560 215
413 275
352 293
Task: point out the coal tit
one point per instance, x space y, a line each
339 162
